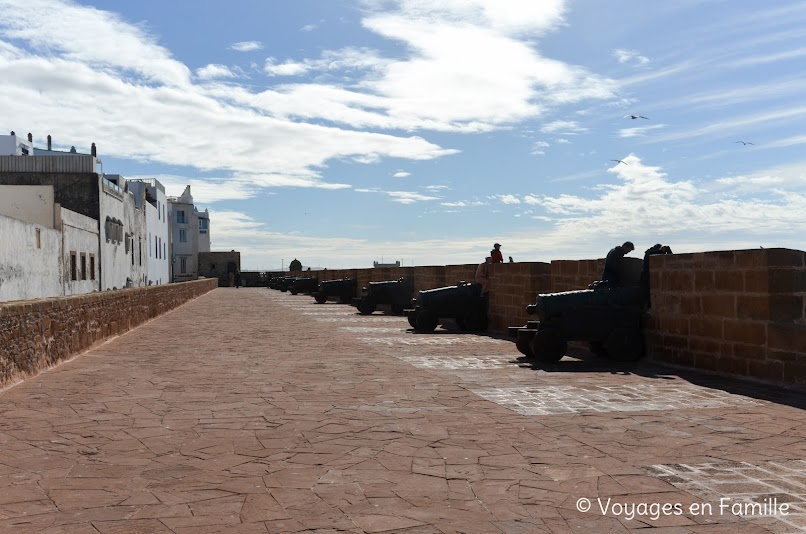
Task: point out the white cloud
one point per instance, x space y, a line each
630 56
401 174
562 141
462 204
402 197
565 127
247 46
436 187
645 204
91 37
213 71
531 199
408 197
507 199
537 148
639 131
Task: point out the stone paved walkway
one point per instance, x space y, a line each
251 410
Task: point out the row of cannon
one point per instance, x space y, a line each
609 319
462 303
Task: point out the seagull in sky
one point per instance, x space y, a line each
745 142
618 160
633 117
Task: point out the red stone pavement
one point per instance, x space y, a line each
251 410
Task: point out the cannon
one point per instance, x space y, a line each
281 283
303 285
609 318
462 302
396 293
343 288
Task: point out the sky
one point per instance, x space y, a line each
424 131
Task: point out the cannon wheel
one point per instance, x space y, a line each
625 345
472 321
366 307
321 298
549 345
427 321
413 319
397 309
598 349
524 345
344 299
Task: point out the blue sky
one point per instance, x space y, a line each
424 131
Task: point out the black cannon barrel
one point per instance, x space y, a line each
443 297
553 304
339 282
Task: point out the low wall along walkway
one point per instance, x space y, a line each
37 334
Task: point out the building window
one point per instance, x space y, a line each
163 212
164 250
38 238
127 246
149 244
139 250
92 266
183 235
73 267
203 224
113 231
158 209
180 216
127 243
183 265
83 266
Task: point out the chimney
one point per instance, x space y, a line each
12 132
49 145
30 137
93 151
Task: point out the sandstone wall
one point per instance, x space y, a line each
37 334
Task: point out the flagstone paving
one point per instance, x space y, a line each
250 410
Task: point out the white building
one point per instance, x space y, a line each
13 145
187 239
204 230
156 210
46 250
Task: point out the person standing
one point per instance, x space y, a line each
496 255
612 273
483 275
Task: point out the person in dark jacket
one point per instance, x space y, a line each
612 273
496 255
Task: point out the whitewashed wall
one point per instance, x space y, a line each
80 236
115 262
28 272
30 203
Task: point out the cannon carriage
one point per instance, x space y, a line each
303 284
396 293
463 302
343 288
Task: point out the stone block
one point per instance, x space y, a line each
750 332
786 337
719 305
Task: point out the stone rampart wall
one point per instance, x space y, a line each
37 334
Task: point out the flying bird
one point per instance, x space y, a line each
633 117
745 142
618 160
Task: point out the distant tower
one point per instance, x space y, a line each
295 266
